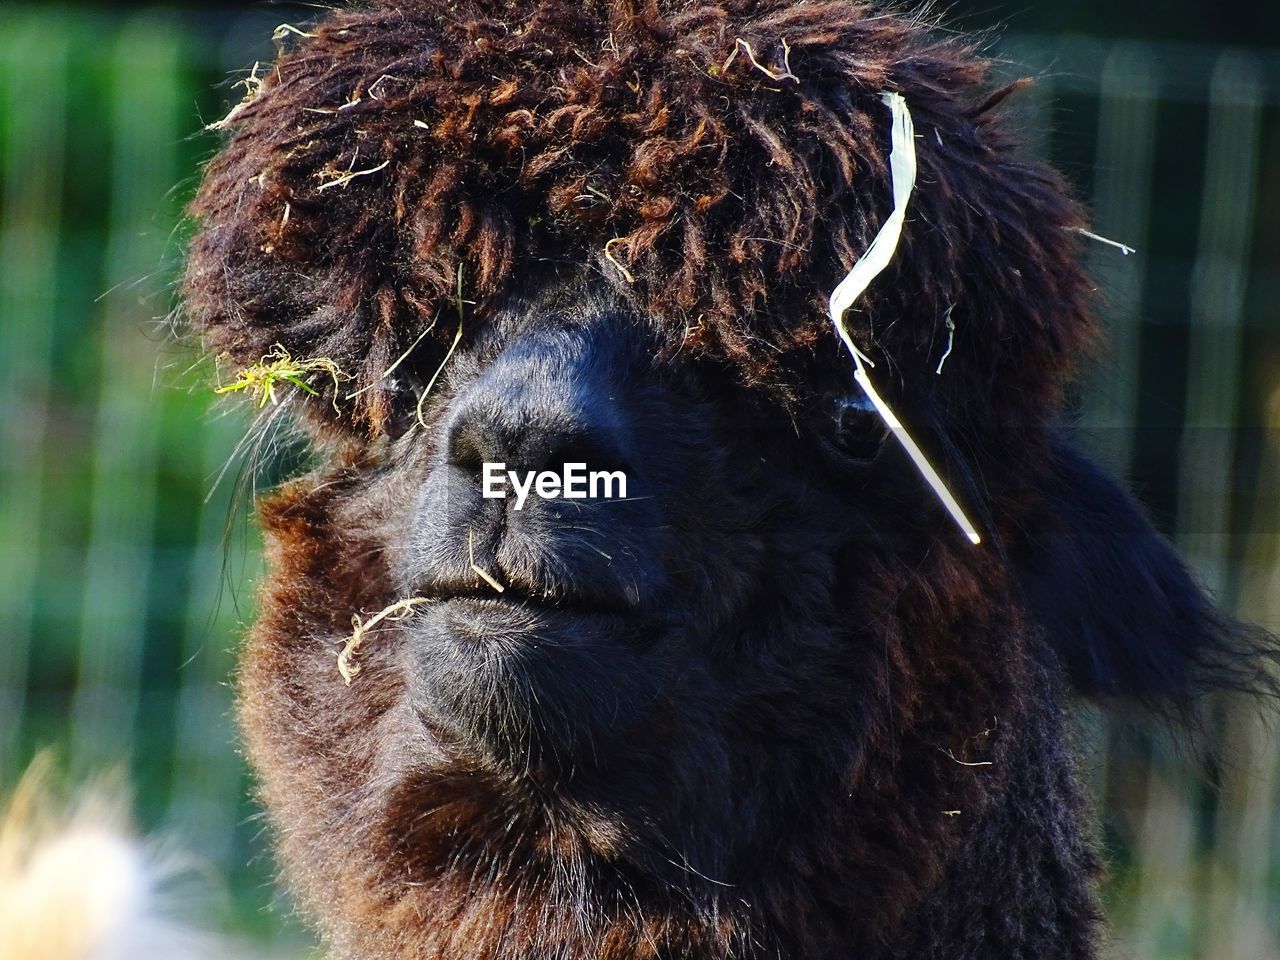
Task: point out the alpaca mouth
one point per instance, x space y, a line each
550 603
494 596
497 617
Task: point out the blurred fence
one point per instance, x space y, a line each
125 573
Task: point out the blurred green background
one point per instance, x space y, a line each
126 564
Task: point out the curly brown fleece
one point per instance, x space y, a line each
724 164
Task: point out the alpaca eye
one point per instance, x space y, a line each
860 432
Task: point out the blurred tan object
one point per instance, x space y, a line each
77 884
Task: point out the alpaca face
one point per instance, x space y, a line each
664 681
571 639
559 628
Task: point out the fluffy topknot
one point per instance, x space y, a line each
724 164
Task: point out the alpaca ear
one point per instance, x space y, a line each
1119 607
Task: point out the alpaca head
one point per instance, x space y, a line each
768 699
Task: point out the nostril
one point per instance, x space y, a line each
469 448
474 441
498 421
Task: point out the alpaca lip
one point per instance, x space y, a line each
543 602
516 616
507 604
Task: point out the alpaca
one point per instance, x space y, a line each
772 702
